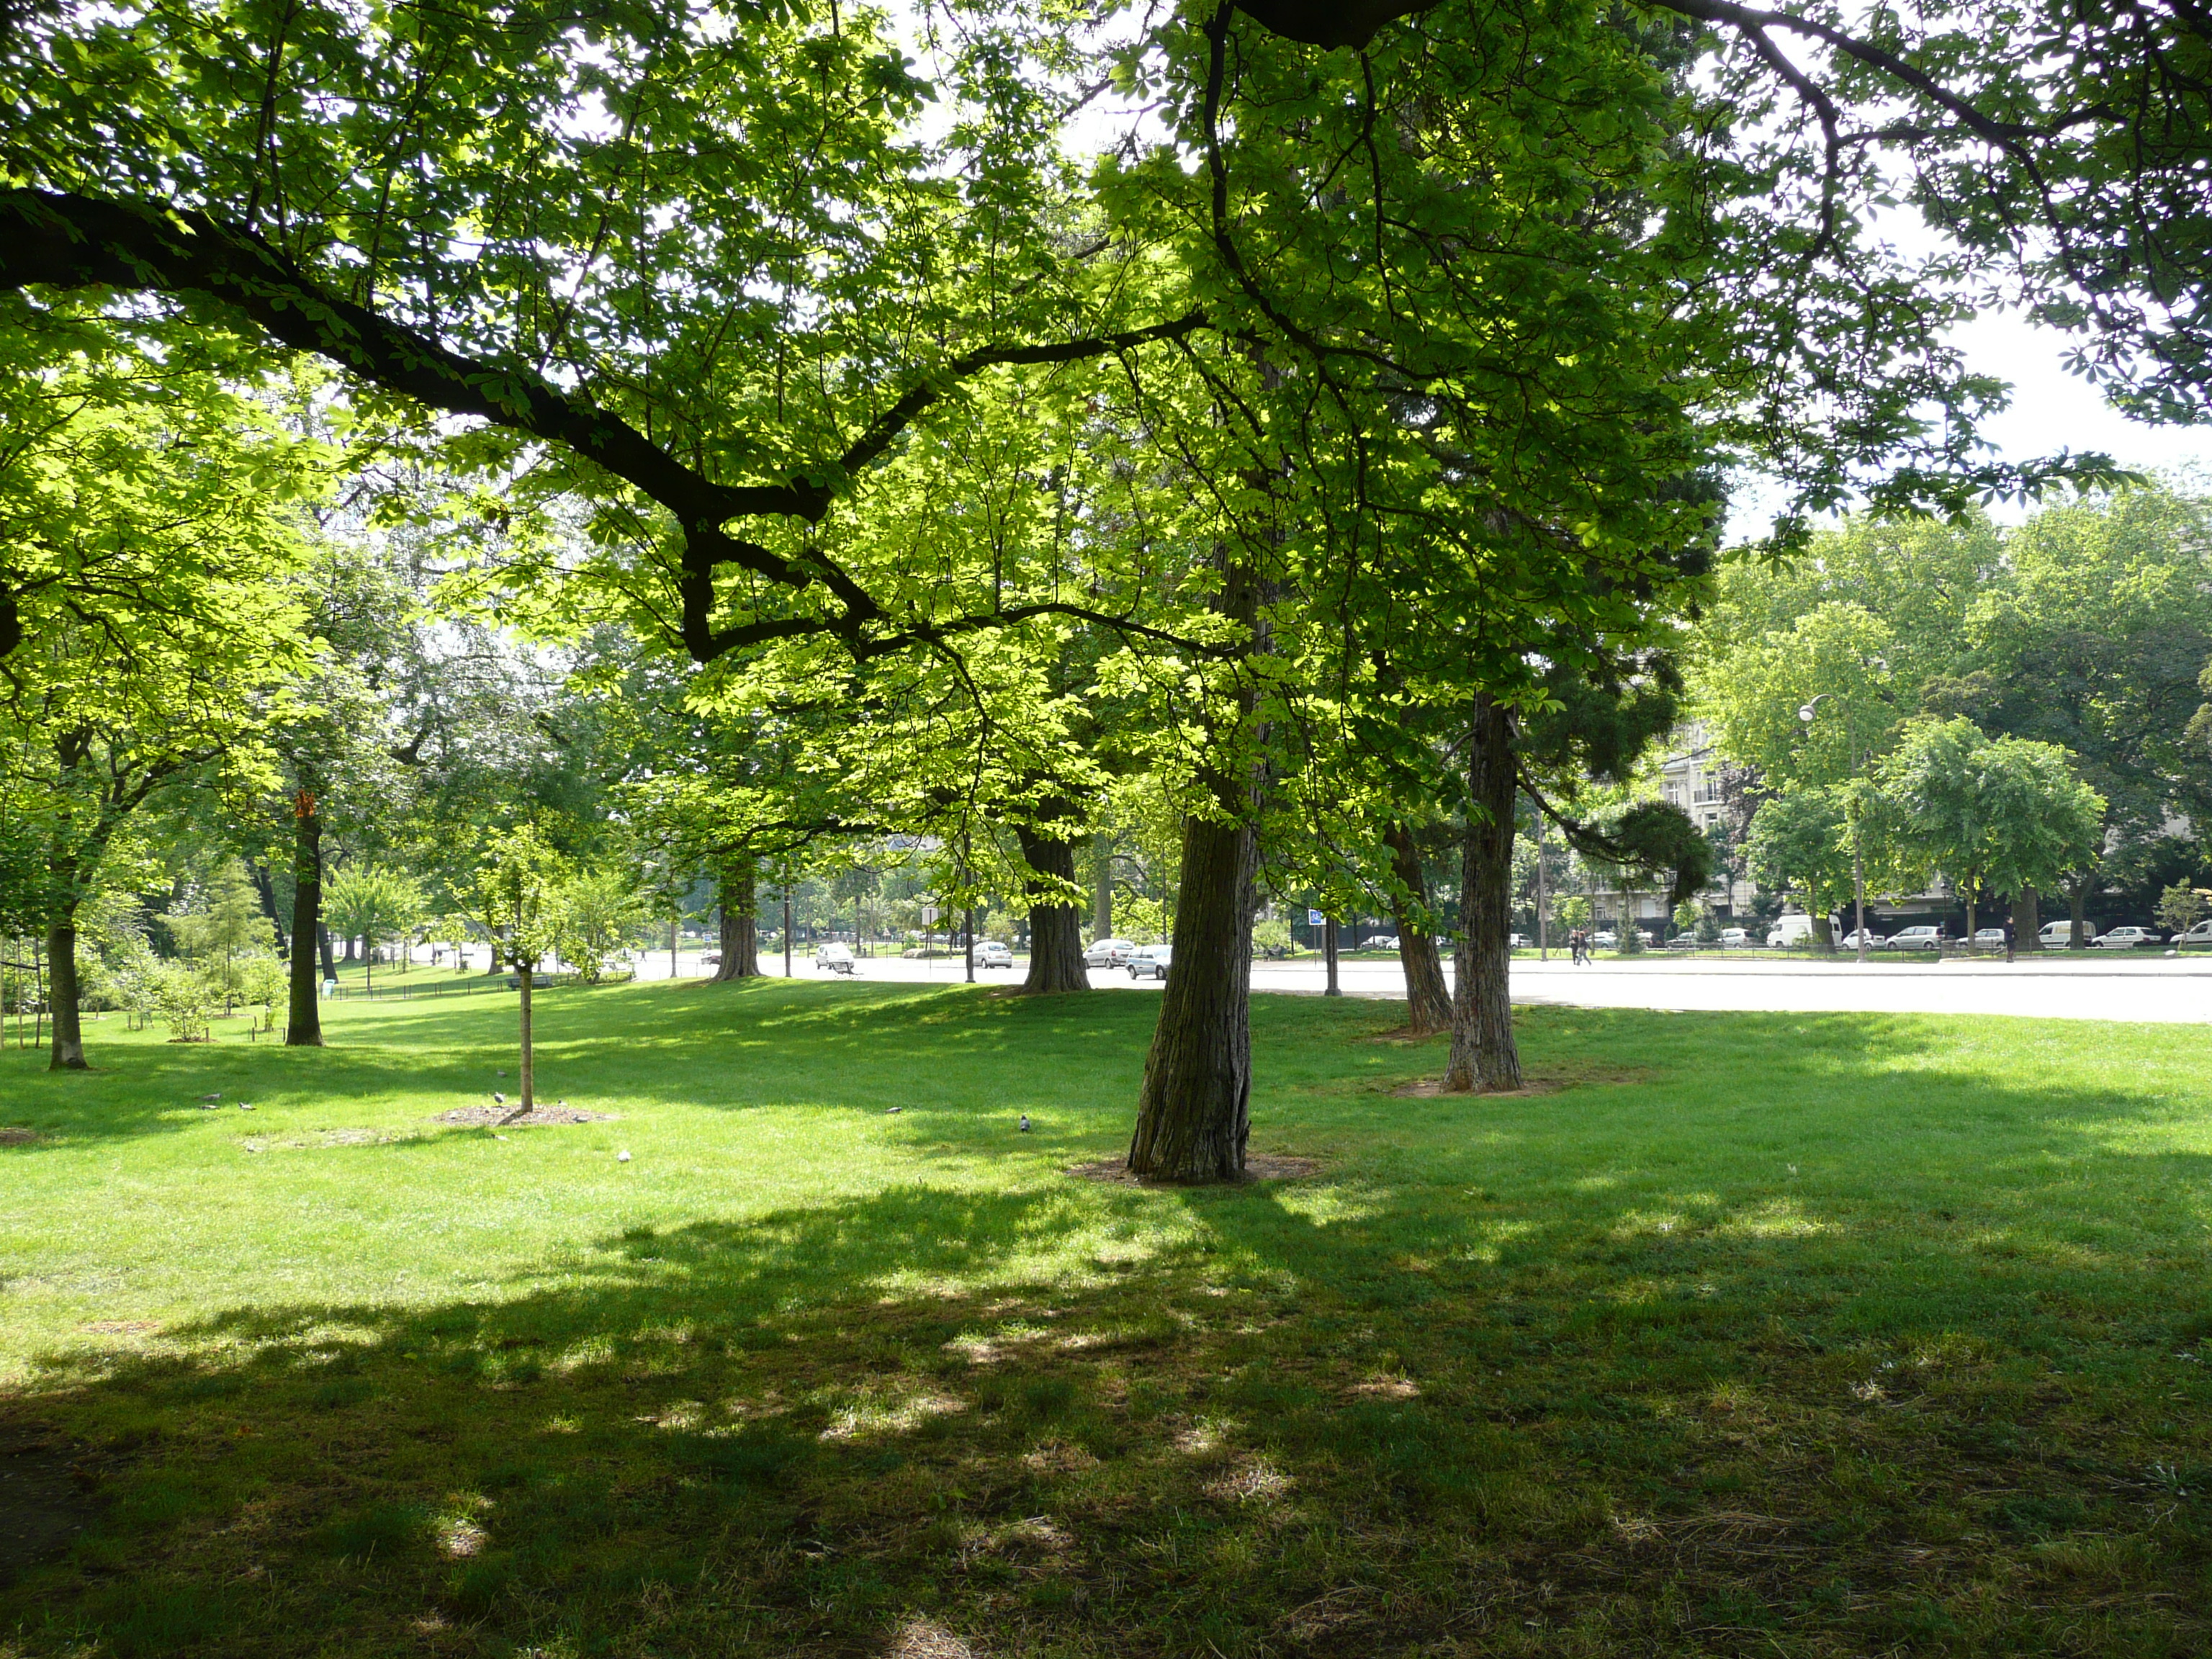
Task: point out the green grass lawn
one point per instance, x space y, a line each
1765 1335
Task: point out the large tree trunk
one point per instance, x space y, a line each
303 1027
1824 932
1970 925
62 998
1483 1055
739 884
1428 1000
1102 917
1056 925
322 945
2026 920
1194 1113
2077 911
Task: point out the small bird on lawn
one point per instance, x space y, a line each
1025 1122
622 1157
210 1096
244 1105
497 1098
895 1111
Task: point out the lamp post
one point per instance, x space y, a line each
1858 854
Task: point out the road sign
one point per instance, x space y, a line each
928 914
1314 918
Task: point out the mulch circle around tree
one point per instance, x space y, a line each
1432 1088
17 1137
543 1115
1258 1166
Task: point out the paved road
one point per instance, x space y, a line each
2167 990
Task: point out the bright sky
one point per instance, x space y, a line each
2052 410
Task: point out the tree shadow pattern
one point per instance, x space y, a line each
1488 1398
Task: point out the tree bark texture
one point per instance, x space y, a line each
524 974
1824 934
740 905
1428 1000
330 960
1056 925
2026 920
1194 1113
266 885
1101 920
1483 1054
2077 911
62 998
303 1025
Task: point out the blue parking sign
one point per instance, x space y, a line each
1313 918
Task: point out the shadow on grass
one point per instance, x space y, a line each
1344 1418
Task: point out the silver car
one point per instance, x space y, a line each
1150 961
1108 953
2126 939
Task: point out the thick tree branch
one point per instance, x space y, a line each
65 240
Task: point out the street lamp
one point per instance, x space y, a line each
1805 712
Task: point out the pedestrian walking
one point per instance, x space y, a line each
2012 939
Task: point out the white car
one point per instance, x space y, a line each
1850 941
1150 961
2126 939
991 953
1989 936
1380 942
1605 939
2200 934
1916 938
1736 939
1108 953
2058 935
833 958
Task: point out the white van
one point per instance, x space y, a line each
1796 929
2058 935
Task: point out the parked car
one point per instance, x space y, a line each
711 959
2200 934
1605 939
1736 939
833 958
1916 938
1989 936
2058 935
993 953
1108 953
2126 939
1850 941
1150 961
1513 942
1382 942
